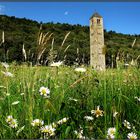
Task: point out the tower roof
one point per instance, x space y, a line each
96 15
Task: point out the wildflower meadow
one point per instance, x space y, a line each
62 102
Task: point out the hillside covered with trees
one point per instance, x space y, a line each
61 42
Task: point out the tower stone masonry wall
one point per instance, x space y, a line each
97 56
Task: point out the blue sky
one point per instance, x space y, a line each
122 17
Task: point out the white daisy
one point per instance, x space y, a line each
111 133
13 123
9 118
44 91
79 134
80 70
127 124
88 118
56 64
37 122
62 121
48 130
15 103
132 136
97 112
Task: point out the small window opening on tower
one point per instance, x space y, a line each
98 21
92 22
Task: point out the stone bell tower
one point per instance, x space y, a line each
97 48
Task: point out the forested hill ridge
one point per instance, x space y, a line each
19 31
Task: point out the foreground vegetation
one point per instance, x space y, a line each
64 102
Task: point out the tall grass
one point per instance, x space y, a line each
72 95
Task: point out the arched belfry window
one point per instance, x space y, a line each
98 21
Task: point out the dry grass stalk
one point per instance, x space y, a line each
42 41
40 54
24 53
45 41
40 37
52 53
133 42
78 81
137 58
66 48
66 36
3 37
52 44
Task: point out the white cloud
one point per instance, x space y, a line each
2 9
66 13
